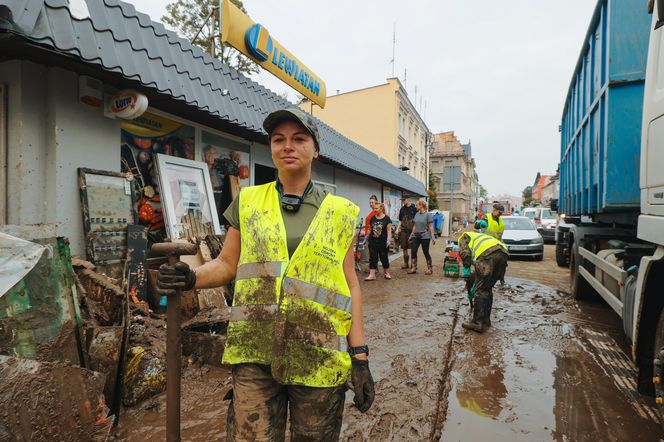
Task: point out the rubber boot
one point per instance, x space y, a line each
413 266
386 274
429 269
477 324
405 262
372 275
487 315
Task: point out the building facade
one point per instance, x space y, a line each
382 119
454 175
545 188
199 109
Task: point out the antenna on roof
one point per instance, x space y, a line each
394 45
405 78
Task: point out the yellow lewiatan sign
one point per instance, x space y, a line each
253 40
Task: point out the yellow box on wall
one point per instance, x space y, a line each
254 41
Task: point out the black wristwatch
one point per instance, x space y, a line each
357 350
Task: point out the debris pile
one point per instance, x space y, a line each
76 345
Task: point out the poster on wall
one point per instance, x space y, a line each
228 163
141 140
392 201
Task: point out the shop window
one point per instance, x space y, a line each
228 162
143 138
325 187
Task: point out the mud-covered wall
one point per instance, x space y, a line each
50 135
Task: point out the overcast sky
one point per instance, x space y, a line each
494 72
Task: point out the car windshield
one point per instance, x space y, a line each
530 214
518 224
548 214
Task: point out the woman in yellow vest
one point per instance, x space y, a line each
489 256
296 332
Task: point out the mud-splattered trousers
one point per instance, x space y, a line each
490 267
260 406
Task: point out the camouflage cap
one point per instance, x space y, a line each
293 114
499 207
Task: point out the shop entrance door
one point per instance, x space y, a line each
264 174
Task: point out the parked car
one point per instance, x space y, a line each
522 238
545 221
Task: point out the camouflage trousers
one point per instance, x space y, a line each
489 269
260 406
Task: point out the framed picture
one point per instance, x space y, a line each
108 208
187 198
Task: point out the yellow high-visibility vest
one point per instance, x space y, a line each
480 243
292 314
496 227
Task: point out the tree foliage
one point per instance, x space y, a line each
431 191
527 195
483 192
189 16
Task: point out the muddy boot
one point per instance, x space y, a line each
372 275
429 269
405 262
487 314
413 266
386 274
477 324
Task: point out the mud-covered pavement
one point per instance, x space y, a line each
549 369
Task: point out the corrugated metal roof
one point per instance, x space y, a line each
120 39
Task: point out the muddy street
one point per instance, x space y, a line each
550 368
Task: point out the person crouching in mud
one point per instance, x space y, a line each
296 331
489 256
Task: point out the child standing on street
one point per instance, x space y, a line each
380 237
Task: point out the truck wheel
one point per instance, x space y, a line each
658 365
581 289
561 259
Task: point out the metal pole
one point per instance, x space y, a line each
173 362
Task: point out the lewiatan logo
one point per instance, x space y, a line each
261 46
259 42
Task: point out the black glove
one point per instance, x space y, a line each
176 277
363 385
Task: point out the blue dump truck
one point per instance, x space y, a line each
612 176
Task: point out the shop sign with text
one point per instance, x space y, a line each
253 40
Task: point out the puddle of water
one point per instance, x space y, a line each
509 396
546 386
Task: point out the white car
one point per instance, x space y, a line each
522 238
545 221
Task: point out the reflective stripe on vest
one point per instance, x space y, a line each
477 243
293 314
480 242
316 294
271 269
